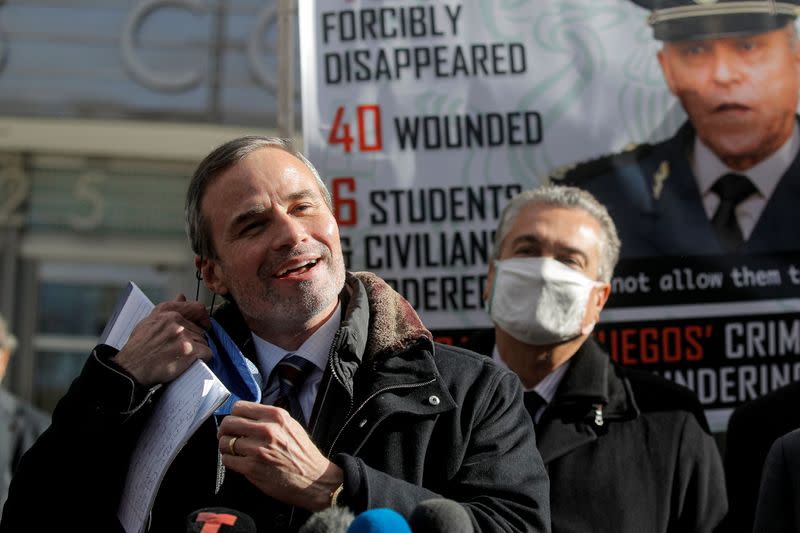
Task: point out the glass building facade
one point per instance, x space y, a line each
106 106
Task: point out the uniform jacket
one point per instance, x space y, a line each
406 419
778 510
20 426
652 195
627 452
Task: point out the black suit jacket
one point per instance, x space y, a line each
752 429
778 509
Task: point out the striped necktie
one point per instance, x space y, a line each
290 374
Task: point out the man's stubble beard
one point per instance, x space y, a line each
312 297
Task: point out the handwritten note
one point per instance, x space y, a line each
183 406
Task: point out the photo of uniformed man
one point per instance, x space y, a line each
727 180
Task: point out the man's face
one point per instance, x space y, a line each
5 357
277 243
739 92
568 235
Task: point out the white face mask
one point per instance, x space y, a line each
539 300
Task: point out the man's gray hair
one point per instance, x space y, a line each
7 340
217 162
570 198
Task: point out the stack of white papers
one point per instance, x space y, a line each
183 406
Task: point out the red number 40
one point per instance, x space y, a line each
340 132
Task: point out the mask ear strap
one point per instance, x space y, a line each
199 276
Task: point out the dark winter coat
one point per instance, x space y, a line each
20 426
627 452
405 418
752 428
777 510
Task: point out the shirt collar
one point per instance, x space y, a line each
707 167
549 384
314 349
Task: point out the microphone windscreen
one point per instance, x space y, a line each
440 515
331 520
219 520
379 521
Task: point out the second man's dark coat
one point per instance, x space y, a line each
627 452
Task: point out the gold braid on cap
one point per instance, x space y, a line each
723 8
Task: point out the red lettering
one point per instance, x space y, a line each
694 352
344 209
377 143
344 138
649 339
654 345
213 521
628 346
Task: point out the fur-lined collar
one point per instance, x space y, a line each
393 325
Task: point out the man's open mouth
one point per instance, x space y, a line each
305 267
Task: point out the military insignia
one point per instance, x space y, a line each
576 172
659 178
559 172
630 146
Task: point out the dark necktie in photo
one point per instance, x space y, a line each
732 190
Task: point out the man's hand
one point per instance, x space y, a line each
275 454
166 342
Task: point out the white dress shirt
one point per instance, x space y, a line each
708 168
315 349
545 388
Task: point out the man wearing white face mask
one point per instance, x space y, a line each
626 451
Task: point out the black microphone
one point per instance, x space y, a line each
440 515
219 520
331 520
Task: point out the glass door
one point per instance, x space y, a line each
73 303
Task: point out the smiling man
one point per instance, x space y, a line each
382 417
729 176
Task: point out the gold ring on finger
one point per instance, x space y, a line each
232 445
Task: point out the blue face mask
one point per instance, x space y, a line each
539 301
238 373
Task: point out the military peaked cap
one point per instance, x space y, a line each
680 20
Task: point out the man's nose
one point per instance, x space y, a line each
288 231
726 66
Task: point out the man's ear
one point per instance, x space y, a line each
796 55
599 298
665 69
489 281
211 273
5 356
